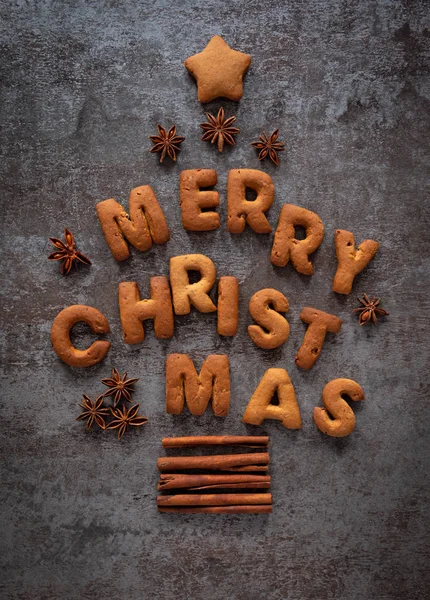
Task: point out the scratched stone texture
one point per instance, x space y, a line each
83 86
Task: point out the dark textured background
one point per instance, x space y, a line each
84 85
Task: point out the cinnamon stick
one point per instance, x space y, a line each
231 486
197 482
239 509
254 441
226 462
213 499
248 468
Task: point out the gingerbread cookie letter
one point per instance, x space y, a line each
133 310
60 335
337 418
350 260
146 223
185 293
272 329
285 244
319 324
184 385
241 210
193 199
259 407
228 306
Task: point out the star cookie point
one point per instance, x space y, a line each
218 70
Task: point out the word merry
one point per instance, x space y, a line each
146 223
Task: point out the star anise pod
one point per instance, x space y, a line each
166 142
93 411
123 418
218 129
120 387
68 252
269 146
370 310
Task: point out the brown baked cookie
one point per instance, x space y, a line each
185 293
337 418
219 71
273 329
319 324
285 244
60 335
193 200
260 408
228 306
242 211
133 310
183 385
146 223
350 260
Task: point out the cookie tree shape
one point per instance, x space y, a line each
337 419
218 70
184 385
145 224
260 408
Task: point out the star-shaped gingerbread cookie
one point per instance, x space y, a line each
218 70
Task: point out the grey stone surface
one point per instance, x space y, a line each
83 86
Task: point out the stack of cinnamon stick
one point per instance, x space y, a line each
225 483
